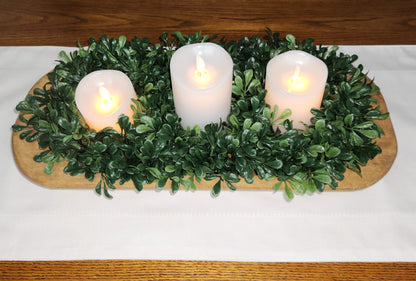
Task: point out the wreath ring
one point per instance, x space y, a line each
155 149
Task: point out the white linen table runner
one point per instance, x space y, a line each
374 224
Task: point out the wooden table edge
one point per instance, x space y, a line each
204 270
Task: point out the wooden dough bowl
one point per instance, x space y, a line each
371 173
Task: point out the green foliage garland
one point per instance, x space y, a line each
155 148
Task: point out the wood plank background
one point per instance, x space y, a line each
64 23
51 22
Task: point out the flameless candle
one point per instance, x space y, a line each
201 83
296 80
102 96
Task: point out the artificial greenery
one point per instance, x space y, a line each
155 148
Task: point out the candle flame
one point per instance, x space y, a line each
106 102
296 82
201 71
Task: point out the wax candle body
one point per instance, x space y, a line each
296 80
202 94
102 96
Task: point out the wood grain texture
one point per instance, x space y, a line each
51 22
203 270
56 22
375 169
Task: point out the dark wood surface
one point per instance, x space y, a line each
57 22
64 23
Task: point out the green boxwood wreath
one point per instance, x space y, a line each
155 147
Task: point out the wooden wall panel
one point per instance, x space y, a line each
51 22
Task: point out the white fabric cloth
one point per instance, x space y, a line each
373 224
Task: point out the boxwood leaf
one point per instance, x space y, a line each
253 85
315 149
18 128
277 186
355 139
98 187
364 125
349 119
255 102
38 157
175 186
247 123
298 187
333 152
256 127
149 121
236 90
63 122
154 171
275 164
288 192
24 134
161 183
371 134
234 121
323 178
231 177
49 167
248 75
230 186
64 56
216 189
311 187
143 129
170 168
239 82
320 125
285 114
267 113
138 184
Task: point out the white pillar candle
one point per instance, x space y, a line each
102 96
296 80
201 77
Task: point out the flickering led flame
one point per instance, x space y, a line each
297 83
106 103
201 72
